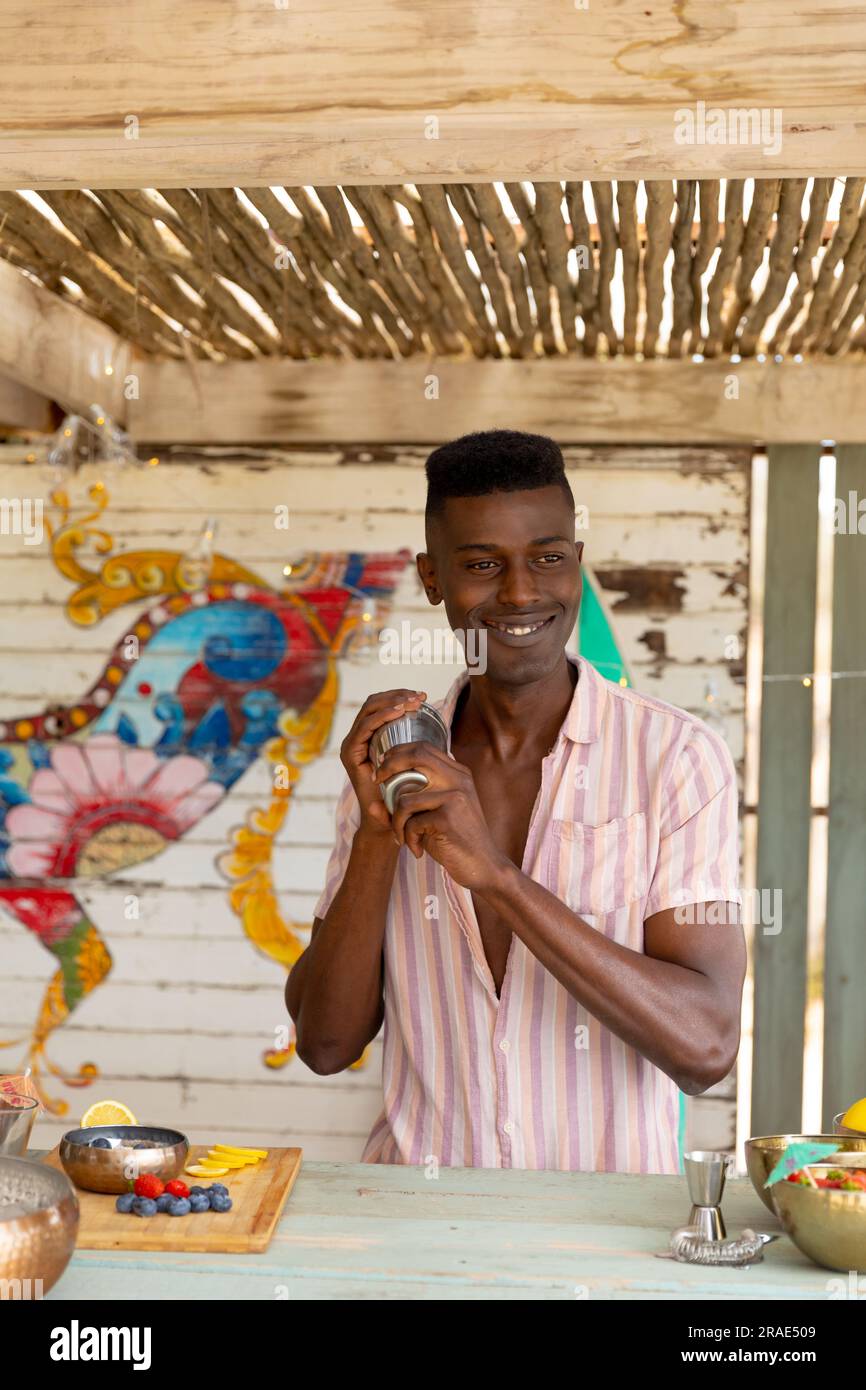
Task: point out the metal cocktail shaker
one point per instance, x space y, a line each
423 723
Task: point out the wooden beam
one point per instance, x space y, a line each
125 96
784 809
575 400
23 409
58 351
845 938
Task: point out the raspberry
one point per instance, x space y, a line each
149 1185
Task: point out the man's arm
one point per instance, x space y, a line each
678 1003
334 991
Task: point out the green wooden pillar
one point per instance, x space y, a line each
845 944
784 799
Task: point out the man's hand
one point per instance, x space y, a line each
445 818
355 751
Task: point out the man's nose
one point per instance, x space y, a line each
518 586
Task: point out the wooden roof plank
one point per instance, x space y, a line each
244 94
576 400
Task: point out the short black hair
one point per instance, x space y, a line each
493 461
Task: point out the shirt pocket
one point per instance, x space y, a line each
595 869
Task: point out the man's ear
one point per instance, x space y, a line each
579 545
427 575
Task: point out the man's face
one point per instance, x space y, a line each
507 565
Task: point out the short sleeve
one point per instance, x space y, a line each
347 819
699 852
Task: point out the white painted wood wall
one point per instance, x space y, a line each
179 1026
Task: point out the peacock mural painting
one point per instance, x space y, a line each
216 670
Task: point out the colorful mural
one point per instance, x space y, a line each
208 678
205 681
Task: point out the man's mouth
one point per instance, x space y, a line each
511 627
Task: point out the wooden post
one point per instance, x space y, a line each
845 949
784 798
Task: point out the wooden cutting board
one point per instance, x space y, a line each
258 1196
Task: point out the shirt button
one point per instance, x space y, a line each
508 1126
504 1045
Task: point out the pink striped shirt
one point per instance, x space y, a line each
637 811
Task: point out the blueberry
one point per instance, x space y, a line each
125 1201
199 1201
198 1192
144 1206
164 1201
219 1187
100 1143
220 1202
179 1206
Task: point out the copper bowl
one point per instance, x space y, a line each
38 1226
827 1224
762 1153
108 1158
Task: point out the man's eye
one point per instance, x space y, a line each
478 564
551 557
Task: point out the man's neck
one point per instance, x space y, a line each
514 720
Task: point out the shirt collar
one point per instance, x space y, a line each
582 723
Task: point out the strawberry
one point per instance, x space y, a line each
148 1186
177 1188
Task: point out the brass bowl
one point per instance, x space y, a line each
36 1243
826 1224
764 1152
121 1154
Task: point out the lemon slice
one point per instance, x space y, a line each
200 1172
225 1161
229 1149
108 1112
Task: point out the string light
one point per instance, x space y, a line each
91 438
806 678
196 564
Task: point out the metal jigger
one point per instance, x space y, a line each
706 1170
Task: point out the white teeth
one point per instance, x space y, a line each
518 631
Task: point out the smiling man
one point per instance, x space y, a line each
549 929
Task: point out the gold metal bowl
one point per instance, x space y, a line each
38 1226
106 1158
827 1224
763 1152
